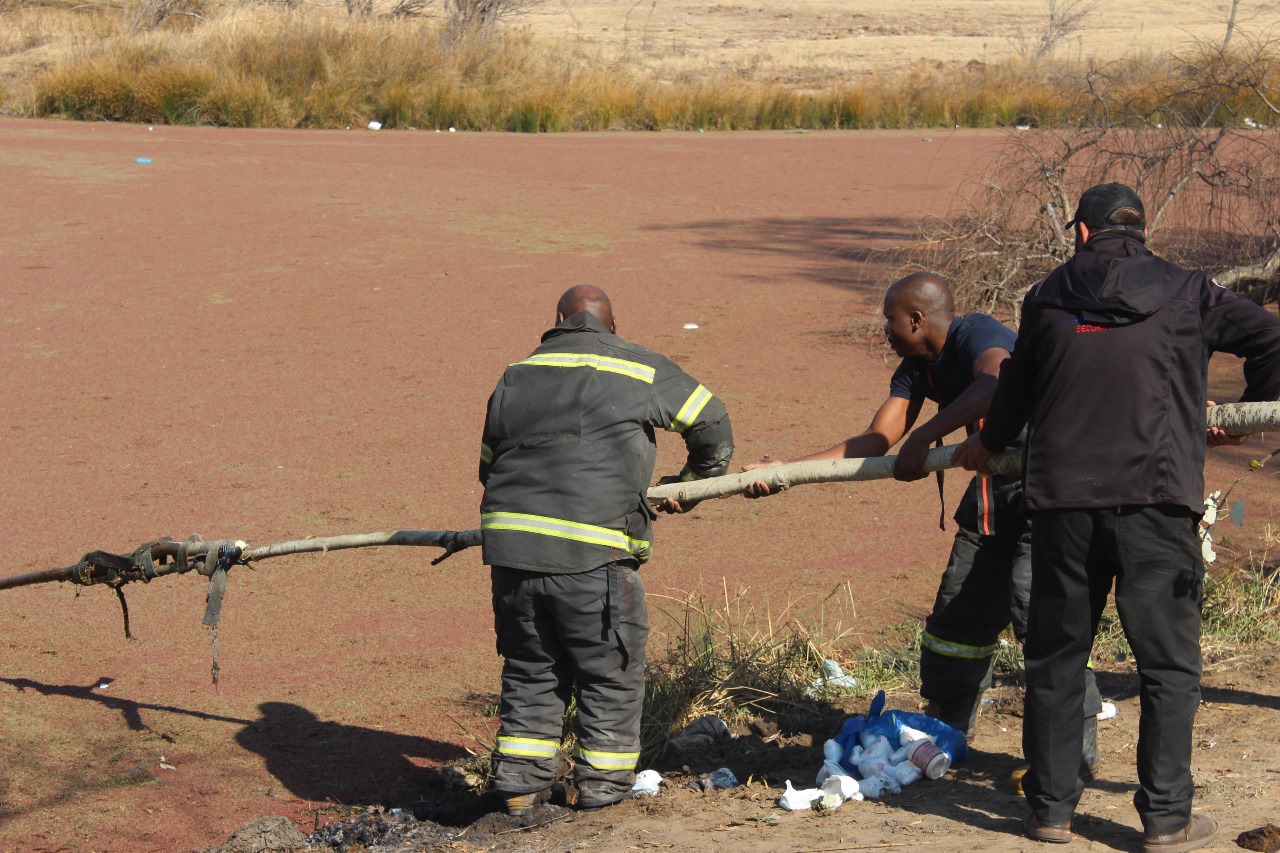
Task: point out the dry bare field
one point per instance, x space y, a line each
823 40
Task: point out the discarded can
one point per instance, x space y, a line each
929 757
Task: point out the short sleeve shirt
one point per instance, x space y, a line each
947 378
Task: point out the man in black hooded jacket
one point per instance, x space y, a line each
1109 376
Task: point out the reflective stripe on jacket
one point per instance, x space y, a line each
568 448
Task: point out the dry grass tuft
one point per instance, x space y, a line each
733 660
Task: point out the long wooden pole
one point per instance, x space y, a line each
88 575
1234 418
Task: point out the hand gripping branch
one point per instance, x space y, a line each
1235 418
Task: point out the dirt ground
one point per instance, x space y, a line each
267 335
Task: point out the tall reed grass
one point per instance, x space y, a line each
269 66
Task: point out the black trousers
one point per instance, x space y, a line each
1153 557
564 636
985 588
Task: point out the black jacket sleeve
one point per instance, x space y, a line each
1235 325
1015 394
489 438
684 406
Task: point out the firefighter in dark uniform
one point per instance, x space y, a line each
1109 377
567 457
954 361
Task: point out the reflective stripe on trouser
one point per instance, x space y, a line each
603 760
526 747
561 633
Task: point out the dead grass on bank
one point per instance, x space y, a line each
198 62
733 660
727 657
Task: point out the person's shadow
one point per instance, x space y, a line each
314 759
334 762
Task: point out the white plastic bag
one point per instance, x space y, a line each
798 801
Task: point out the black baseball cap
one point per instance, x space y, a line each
1098 203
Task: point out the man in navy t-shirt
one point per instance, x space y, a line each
955 362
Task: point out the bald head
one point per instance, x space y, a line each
585 297
918 311
925 292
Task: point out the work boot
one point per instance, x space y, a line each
1198 832
1054 833
519 805
597 797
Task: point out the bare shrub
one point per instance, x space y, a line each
469 19
1209 177
1065 18
143 15
409 8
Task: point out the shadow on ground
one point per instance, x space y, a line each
845 252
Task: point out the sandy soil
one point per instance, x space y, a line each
267 335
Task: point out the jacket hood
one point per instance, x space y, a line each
1113 280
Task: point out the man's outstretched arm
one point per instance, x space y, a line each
891 422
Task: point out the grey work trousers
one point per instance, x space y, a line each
1152 555
577 635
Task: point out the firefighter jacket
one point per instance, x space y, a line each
568 449
1110 372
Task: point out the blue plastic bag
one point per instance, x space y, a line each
889 723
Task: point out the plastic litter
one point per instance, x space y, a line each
833 678
831 755
874 788
647 782
846 787
691 326
1108 711
929 757
865 750
722 778
375 125
142 160
888 724
799 801
904 774
875 756
700 734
